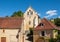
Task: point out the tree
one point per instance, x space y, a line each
17 14
58 38
57 21
52 40
30 35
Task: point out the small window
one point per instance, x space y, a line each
27 13
29 22
41 24
30 12
42 33
34 21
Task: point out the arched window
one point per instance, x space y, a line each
30 12
27 13
34 21
29 22
42 33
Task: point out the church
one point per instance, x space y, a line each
31 20
15 29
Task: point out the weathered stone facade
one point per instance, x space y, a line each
44 31
9 34
31 20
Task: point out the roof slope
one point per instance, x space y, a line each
47 25
10 22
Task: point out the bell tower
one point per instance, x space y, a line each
31 18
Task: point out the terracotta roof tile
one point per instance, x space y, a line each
47 25
11 22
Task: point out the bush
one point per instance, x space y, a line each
52 40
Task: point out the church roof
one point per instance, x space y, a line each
10 22
45 25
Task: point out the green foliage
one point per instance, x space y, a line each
56 30
55 40
58 37
57 21
59 32
30 35
17 14
52 40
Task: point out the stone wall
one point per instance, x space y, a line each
37 37
10 34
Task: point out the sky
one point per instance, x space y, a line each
44 8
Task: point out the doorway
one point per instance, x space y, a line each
3 39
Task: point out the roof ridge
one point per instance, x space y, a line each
11 17
50 23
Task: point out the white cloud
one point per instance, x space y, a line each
47 16
51 13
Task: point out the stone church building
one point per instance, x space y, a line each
31 20
15 29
